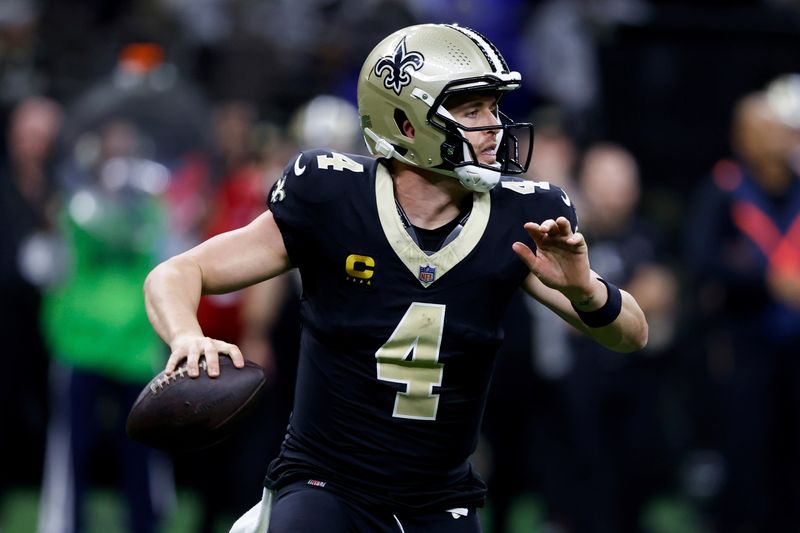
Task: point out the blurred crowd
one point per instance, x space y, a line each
131 130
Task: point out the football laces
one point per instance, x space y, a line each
160 382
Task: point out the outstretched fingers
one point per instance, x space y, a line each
554 232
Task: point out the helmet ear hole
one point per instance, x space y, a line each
400 118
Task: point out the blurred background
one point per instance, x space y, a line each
133 129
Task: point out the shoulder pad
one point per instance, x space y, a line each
539 200
325 161
523 186
313 175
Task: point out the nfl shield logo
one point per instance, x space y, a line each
427 274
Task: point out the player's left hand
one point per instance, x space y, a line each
561 259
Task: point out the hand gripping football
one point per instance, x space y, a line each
175 412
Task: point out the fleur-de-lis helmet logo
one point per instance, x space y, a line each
396 67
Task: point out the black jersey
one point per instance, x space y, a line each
397 346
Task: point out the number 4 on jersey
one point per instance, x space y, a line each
339 162
419 334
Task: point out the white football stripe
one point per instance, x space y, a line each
487 48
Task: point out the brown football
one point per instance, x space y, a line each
175 412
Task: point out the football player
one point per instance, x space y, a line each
408 260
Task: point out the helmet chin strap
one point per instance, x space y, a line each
384 148
477 178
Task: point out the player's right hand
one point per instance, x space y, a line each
192 347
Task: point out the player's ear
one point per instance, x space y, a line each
408 129
404 124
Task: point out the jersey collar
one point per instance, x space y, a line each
427 268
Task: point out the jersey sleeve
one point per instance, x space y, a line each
558 204
306 196
540 200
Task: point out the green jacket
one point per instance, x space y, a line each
96 320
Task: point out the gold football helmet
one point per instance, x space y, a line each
410 75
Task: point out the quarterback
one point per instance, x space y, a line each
408 260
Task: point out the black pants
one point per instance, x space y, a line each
301 507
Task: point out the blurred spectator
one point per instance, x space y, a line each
148 90
615 439
744 251
628 245
103 348
25 197
555 153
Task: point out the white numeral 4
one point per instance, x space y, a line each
411 356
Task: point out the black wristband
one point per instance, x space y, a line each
606 314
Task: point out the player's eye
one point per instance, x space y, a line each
472 112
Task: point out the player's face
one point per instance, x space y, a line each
477 110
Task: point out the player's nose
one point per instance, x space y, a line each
490 119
